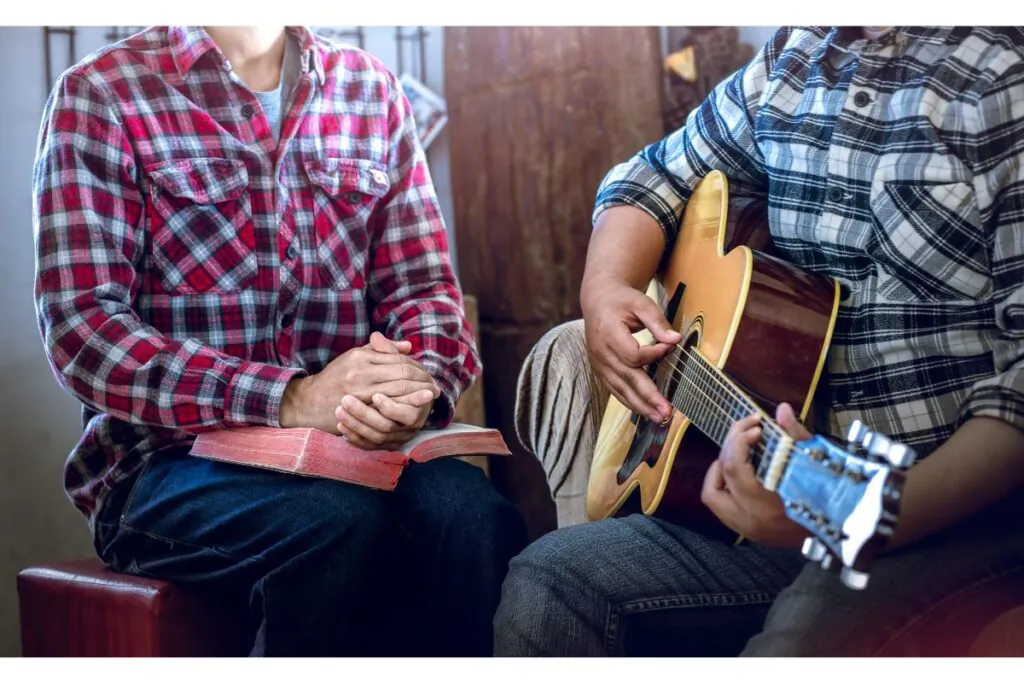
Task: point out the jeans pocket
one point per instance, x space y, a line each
108 537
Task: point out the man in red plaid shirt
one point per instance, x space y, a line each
237 227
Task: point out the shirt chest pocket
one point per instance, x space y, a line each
929 242
346 193
201 228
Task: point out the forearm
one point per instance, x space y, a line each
627 246
115 364
430 316
981 463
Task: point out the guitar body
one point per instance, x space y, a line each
765 323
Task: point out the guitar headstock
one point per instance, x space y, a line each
848 498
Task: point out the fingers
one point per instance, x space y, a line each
717 498
391 442
365 427
365 355
654 320
400 413
381 344
357 411
370 375
786 418
417 399
629 351
622 361
634 389
396 389
735 456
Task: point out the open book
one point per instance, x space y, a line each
315 453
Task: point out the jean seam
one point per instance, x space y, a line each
934 606
696 600
611 630
616 612
135 487
165 539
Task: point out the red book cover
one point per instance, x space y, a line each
315 453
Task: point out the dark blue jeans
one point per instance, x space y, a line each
638 586
325 568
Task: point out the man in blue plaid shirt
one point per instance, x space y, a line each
891 160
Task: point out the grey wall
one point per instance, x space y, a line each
39 423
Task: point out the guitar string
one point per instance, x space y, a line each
714 383
763 441
711 375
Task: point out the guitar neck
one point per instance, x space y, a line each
713 402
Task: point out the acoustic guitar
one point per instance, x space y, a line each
756 332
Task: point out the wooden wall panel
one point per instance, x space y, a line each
537 117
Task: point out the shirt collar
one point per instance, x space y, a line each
190 43
840 37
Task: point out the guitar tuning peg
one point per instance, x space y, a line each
882 447
878 446
858 433
829 563
814 550
854 579
900 456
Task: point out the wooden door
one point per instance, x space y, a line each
537 117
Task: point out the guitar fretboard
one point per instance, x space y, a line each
712 401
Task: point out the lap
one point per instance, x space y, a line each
639 586
189 518
195 519
930 599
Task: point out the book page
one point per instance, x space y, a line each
425 435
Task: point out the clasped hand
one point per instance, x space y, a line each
376 396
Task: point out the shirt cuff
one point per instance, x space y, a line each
636 184
1000 397
443 411
254 393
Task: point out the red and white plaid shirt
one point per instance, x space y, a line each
188 267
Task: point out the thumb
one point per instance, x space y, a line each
653 319
381 344
787 420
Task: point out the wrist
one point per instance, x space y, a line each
293 402
594 288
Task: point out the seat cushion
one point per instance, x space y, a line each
83 609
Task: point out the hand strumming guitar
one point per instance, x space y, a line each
616 356
738 499
623 256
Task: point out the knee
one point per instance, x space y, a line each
555 373
559 357
456 503
536 599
